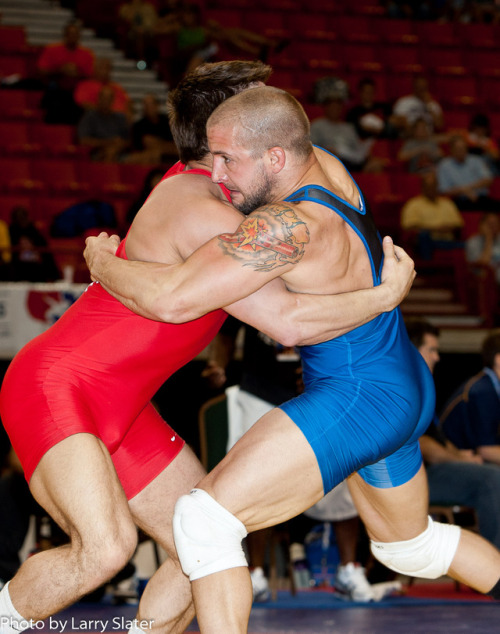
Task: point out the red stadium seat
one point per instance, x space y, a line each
399 32
319 55
16 139
456 119
269 23
455 91
313 26
62 177
57 140
105 180
362 58
13 65
483 62
13 40
401 59
476 35
443 61
20 104
436 33
225 17
17 176
356 29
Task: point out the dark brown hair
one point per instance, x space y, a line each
198 94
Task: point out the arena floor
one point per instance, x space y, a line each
426 609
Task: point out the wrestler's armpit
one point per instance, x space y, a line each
269 238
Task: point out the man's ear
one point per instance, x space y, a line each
277 158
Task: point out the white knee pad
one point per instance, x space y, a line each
207 536
429 555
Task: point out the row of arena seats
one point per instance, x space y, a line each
48 185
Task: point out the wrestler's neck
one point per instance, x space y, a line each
321 169
204 163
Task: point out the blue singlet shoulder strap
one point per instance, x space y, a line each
360 220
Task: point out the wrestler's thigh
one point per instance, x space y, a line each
392 514
153 508
269 476
76 483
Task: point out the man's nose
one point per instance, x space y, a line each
218 175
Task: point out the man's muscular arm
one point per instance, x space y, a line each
232 266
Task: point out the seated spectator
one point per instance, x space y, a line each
351 582
418 105
198 41
471 416
456 476
152 140
31 260
5 253
87 91
105 132
465 177
371 118
484 246
333 133
140 19
480 141
430 220
62 65
422 150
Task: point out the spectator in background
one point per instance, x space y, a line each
465 177
371 118
5 252
31 259
140 20
456 476
422 150
87 91
351 582
61 66
484 246
105 132
480 141
197 41
152 139
430 220
333 133
471 417
418 105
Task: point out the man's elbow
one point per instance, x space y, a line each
290 332
172 309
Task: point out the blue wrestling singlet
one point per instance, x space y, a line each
368 394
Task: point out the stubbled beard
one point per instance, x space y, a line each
257 198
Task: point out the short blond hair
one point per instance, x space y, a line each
266 117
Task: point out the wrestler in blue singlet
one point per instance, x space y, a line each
368 394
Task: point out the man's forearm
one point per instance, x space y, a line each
133 283
295 319
490 453
152 290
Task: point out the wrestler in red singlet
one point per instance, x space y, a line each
95 371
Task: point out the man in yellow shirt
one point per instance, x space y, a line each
430 220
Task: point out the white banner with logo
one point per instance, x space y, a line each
27 310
